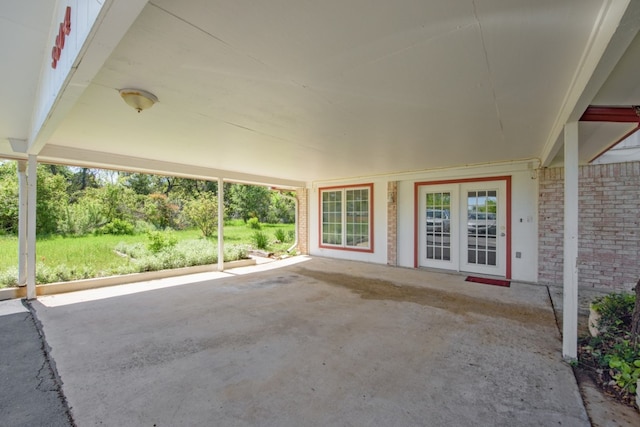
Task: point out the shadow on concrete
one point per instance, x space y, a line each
323 342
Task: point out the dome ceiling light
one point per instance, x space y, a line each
138 99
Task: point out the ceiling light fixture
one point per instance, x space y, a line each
138 99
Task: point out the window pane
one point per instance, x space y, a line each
357 217
438 226
332 217
481 227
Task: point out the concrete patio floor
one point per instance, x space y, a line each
314 342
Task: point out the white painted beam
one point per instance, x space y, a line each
220 224
571 214
32 181
18 145
94 159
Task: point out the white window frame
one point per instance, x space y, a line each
340 223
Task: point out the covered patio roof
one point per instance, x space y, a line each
287 93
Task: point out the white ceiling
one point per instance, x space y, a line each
307 91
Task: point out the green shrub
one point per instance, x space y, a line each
254 224
117 227
203 213
626 374
132 250
615 311
160 211
235 253
291 235
280 235
260 240
186 253
196 252
9 277
62 273
143 227
161 240
81 218
612 353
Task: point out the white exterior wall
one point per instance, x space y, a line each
83 17
524 226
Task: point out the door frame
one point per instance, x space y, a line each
416 213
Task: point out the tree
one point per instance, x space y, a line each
98 207
8 198
281 209
83 216
159 211
140 183
51 200
203 213
77 201
188 189
85 179
165 184
249 201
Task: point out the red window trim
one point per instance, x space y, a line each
370 249
416 190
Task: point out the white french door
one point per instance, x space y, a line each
484 234
462 227
439 214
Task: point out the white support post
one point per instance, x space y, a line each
220 224
570 277
32 180
22 222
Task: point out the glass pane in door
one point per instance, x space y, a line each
481 227
438 226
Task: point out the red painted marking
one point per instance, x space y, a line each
63 31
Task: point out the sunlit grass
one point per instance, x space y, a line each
8 251
96 255
237 231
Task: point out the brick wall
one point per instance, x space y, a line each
392 223
302 195
609 226
550 226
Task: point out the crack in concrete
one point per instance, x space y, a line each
40 377
49 363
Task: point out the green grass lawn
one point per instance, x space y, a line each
97 254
